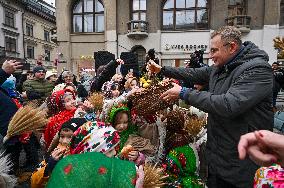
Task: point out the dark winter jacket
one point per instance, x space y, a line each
104 76
238 101
7 107
37 89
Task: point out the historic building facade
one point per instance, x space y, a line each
175 28
38 23
25 33
11 29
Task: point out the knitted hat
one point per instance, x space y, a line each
90 170
94 137
73 124
38 69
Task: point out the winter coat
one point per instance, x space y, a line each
7 107
37 89
238 101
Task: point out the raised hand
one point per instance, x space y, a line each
11 66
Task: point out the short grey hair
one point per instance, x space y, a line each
228 34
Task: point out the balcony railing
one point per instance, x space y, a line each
137 29
240 21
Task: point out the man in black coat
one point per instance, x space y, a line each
239 100
7 107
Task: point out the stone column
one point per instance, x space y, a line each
63 24
111 26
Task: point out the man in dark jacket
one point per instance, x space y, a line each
238 101
7 107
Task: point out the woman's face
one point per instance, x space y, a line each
68 78
121 122
69 102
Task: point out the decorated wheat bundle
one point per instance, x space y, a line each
148 102
279 44
154 176
26 119
194 126
97 100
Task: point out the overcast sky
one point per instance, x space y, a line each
50 1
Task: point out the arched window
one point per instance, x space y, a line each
139 10
281 13
88 16
185 14
140 51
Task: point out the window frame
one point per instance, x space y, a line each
47 55
281 19
9 41
195 9
9 18
32 48
29 30
139 11
83 13
46 35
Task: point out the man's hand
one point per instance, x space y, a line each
172 94
10 66
119 61
263 147
153 68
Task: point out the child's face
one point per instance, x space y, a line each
111 153
121 122
69 102
115 93
133 84
65 137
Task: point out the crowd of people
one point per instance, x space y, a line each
115 130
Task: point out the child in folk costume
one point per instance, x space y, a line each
132 146
182 161
60 147
91 169
64 103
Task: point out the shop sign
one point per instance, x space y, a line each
187 47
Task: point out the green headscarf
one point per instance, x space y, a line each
90 170
181 165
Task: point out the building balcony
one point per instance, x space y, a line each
242 22
137 29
